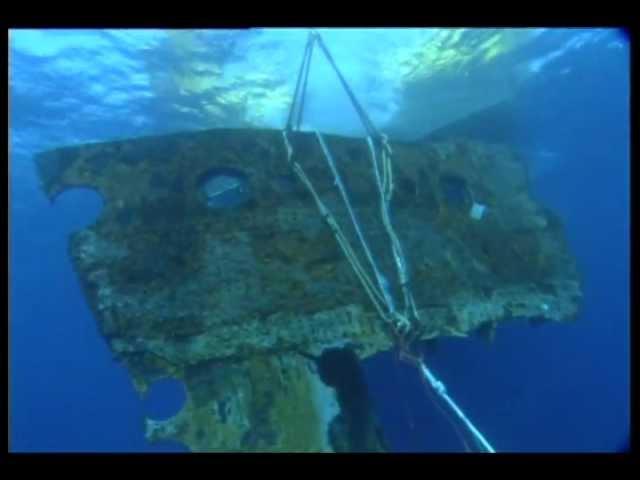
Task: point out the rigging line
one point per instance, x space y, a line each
296 92
385 187
375 296
364 118
447 415
363 241
304 85
440 389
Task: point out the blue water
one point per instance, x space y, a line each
557 388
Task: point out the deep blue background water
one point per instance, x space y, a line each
546 388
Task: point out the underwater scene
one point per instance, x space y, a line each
319 240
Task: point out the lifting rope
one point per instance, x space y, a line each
403 323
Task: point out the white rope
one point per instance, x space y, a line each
441 390
376 298
385 184
384 181
382 282
383 173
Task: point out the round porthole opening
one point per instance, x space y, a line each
222 188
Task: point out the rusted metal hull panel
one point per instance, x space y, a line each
177 282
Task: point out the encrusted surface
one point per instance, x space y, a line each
177 285
266 403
